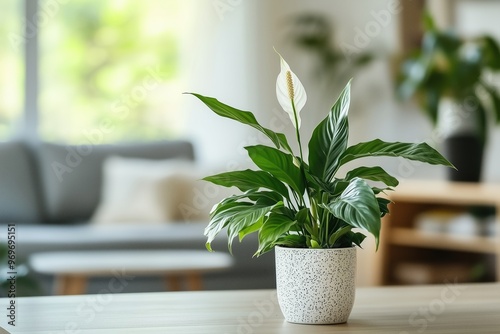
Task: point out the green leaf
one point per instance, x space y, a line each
338 186
248 180
265 197
356 237
419 152
495 100
245 117
292 240
329 139
491 52
227 210
482 121
302 217
315 244
274 227
383 205
431 103
251 229
278 164
428 21
221 216
377 190
374 174
358 207
243 218
339 233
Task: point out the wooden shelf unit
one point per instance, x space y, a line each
402 242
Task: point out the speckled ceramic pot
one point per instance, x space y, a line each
316 286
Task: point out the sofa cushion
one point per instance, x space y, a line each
143 190
19 197
71 175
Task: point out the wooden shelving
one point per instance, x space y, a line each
402 242
437 240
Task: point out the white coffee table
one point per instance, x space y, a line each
73 268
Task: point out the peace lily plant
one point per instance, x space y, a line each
298 203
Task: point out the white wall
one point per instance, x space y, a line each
218 62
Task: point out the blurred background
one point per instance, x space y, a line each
90 55
96 72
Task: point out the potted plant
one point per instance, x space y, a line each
448 75
303 208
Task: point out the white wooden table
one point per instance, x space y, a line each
444 309
72 269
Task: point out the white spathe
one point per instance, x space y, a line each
284 94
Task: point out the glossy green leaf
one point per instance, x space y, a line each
338 234
249 179
383 204
374 174
377 190
302 217
273 228
292 240
355 237
358 207
251 229
419 152
329 139
221 217
227 212
265 197
245 117
314 243
278 164
243 218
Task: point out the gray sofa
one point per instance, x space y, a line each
50 191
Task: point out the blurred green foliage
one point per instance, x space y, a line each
95 58
448 65
11 68
109 69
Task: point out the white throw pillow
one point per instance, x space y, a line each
144 191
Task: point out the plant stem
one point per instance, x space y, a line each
297 132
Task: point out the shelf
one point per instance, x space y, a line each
441 192
404 243
434 240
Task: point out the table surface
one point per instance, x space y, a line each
138 262
447 308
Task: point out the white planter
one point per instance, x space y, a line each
316 286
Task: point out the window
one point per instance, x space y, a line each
11 67
107 70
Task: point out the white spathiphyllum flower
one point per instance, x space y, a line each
290 92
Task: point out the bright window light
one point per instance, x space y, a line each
11 67
109 71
